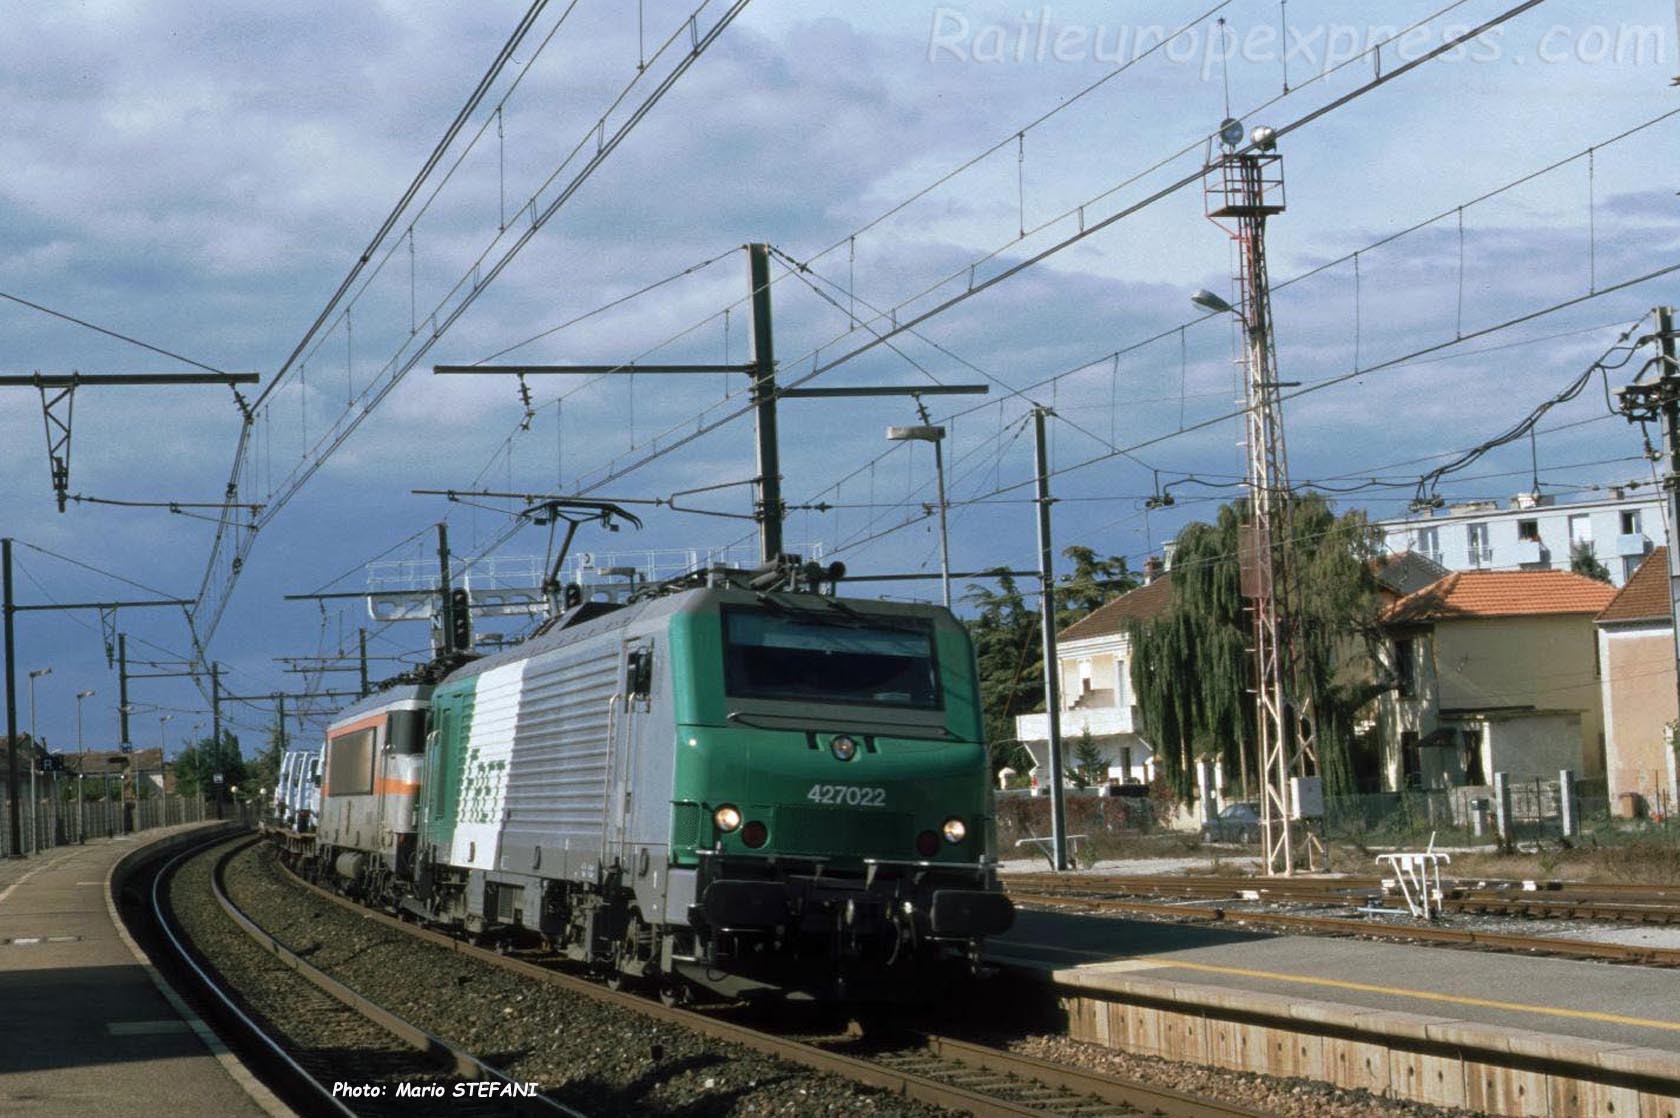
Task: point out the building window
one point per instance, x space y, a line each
1631 525
1405 667
1528 530
1429 543
1630 563
1480 554
1411 760
1580 528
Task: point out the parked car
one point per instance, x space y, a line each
1239 822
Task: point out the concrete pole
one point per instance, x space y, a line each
1052 664
944 535
1502 808
122 689
1569 808
9 609
769 511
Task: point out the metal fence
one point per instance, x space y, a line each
58 809
1468 815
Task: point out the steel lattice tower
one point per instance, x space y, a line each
1243 189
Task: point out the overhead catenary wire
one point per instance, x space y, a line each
897 325
483 272
1525 426
701 427
1392 363
110 333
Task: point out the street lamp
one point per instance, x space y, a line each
1208 301
162 718
33 676
81 768
80 695
34 762
936 436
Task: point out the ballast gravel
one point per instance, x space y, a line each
599 1059
604 1061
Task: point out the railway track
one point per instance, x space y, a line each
1607 902
319 1079
1099 894
981 1080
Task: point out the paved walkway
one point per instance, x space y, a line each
84 1032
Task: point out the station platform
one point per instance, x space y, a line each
1596 1003
84 1030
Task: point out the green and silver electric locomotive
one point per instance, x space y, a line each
741 789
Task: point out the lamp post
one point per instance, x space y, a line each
81 768
1208 301
936 435
80 695
34 748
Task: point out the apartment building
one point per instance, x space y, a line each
1535 532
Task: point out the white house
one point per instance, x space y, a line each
1096 684
1535 533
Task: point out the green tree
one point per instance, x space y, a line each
1191 668
1091 583
1583 560
1090 767
264 772
198 764
1005 635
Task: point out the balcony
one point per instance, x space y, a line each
1479 558
1100 721
1632 545
1531 553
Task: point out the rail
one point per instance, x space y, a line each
300 1079
904 1080
1071 896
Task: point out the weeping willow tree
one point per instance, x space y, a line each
1191 669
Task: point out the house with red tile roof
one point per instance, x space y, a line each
1636 648
1498 672
1096 687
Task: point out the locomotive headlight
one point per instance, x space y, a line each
844 748
955 830
727 818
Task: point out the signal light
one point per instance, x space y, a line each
955 830
927 844
460 620
755 834
727 818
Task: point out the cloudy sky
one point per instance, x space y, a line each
204 179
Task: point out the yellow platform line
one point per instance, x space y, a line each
1431 996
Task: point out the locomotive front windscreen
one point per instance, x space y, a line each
830 659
